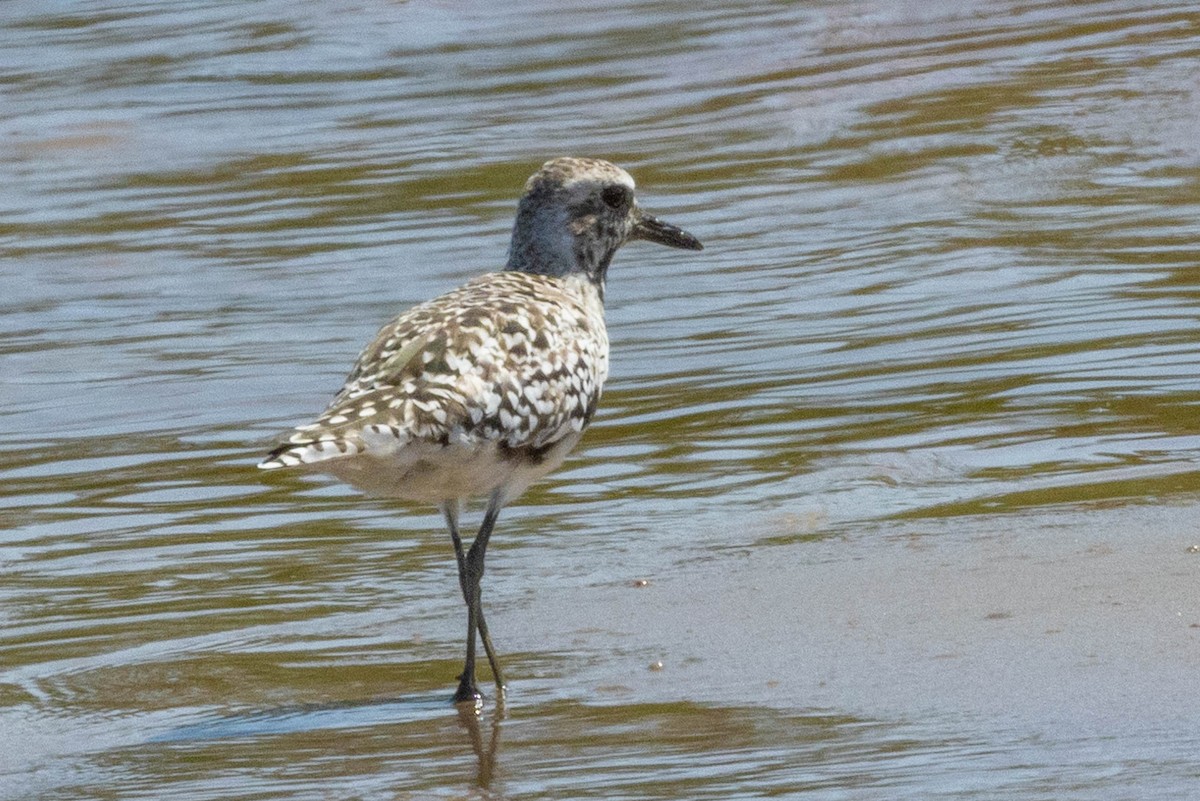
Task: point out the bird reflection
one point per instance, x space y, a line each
472 719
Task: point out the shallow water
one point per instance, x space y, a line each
919 425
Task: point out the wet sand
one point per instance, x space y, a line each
1049 655
1081 621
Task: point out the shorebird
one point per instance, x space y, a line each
485 389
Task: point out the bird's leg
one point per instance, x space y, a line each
450 510
470 573
467 690
474 565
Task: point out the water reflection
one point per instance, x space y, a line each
481 727
484 745
567 749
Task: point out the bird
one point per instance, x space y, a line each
478 393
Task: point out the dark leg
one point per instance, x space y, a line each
474 564
470 573
450 510
467 691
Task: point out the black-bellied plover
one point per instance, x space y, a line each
481 391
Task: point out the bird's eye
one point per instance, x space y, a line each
615 197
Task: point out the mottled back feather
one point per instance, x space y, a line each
509 358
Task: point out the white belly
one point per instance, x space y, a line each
433 473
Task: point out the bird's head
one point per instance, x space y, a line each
576 213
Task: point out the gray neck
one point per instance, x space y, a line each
542 243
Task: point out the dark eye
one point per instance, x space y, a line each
615 197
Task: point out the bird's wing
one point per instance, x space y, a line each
487 362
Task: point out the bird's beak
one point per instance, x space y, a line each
652 229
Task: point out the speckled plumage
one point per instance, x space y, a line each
465 393
486 388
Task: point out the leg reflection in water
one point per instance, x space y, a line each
472 720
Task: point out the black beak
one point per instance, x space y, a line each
653 229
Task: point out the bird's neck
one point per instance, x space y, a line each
542 244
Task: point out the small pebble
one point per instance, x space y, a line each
656 665
640 582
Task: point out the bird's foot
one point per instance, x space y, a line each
468 694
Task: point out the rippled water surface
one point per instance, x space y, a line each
906 458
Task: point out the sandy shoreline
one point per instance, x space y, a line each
1020 656
1085 619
